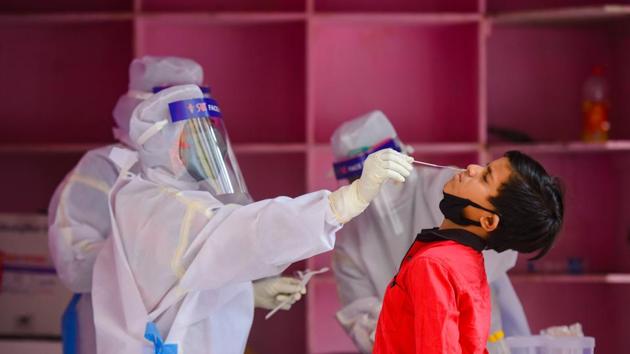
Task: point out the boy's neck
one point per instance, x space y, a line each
476 230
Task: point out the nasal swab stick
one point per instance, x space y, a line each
438 166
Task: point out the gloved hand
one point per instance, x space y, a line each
350 201
270 292
359 319
380 167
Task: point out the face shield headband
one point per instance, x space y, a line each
143 95
351 168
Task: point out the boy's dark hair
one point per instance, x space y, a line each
531 208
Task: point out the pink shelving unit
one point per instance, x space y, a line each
223 5
287 73
370 6
436 65
46 62
47 7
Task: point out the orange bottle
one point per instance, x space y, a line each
595 107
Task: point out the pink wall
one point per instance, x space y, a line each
58 87
620 76
431 81
257 70
223 5
29 180
549 304
428 6
590 196
30 6
287 73
536 76
495 6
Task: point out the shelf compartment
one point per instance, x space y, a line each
223 5
598 307
535 89
32 180
70 94
425 6
563 15
46 149
603 278
426 77
596 228
37 6
399 18
324 333
257 76
66 17
273 174
224 17
519 6
269 336
576 147
269 148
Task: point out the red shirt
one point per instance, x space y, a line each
439 301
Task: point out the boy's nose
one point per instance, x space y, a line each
472 170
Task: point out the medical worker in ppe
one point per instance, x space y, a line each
175 277
368 254
79 220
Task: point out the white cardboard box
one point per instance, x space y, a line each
32 299
30 347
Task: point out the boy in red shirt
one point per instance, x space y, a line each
439 301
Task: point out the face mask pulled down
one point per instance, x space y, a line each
453 206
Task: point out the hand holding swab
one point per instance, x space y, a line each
305 277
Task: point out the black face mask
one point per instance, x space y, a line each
453 209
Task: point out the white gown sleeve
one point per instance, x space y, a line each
359 319
187 240
243 243
512 313
359 299
353 281
79 219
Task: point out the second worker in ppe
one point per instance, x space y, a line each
176 274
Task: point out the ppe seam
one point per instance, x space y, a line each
75 178
176 263
90 182
355 185
66 233
152 130
336 214
191 207
197 206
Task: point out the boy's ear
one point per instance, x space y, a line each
490 223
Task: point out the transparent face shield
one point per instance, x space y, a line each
350 169
205 149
